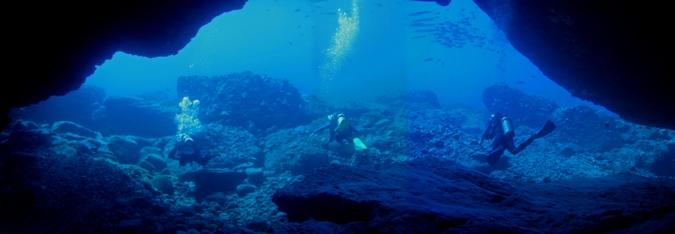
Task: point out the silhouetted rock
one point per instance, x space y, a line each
26 136
613 54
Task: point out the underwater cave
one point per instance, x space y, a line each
338 116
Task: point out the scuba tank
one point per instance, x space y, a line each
507 126
342 123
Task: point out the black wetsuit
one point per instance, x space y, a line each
187 152
342 134
502 140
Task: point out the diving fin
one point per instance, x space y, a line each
358 144
546 129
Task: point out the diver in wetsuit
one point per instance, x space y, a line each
342 131
500 130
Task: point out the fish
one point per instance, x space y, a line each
419 13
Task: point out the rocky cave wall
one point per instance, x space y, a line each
54 46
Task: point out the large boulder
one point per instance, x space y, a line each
437 133
218 146
127 149
245 100
210 181
440 197
593 131
229 147
523 109
151 159
296 150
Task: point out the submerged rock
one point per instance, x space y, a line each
295 150
127 148
64 127
163 183
437 196
523 109
589 129
209 181
247 100
152 159
48 193
218 146
244 189
26 136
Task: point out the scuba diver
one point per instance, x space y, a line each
342 131
187 151
500 130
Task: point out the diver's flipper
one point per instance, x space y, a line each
358 144
548 128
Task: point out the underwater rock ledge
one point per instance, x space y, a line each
431 196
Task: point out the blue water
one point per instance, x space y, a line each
395 48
